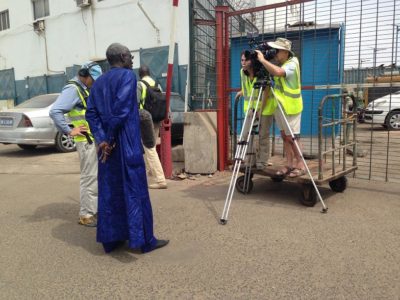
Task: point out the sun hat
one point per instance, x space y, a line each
282 44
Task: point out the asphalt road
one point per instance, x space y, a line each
271 248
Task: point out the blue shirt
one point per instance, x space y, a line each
68 99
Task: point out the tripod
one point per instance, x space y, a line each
242 145
245 141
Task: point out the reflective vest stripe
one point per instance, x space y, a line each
76 118
287 93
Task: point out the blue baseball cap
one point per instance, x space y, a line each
94 69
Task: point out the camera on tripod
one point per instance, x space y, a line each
268 52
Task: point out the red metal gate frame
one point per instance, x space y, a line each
222 65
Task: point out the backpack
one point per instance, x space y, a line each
155 102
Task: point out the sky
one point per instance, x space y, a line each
370 31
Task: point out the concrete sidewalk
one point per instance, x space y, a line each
271 248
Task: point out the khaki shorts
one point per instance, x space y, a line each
294 122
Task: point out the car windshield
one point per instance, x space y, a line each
41 101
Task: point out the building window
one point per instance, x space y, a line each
4 20
40 9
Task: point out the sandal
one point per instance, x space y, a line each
284 172
297 172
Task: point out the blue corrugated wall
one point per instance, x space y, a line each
321 59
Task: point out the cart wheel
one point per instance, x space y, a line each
308 195
277 179
338 185
240 185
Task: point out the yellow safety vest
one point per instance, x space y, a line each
77 115
290 99
247 86
151 82
270 106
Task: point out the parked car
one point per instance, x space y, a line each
29 125
384 111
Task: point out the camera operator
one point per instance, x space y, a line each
287 91
248 76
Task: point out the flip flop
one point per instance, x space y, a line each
284 172
296 173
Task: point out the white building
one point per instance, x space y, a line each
44 37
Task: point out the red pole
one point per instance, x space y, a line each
221 127
226 85
166 153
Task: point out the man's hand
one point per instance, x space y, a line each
78 131
260 56
105 151
238 95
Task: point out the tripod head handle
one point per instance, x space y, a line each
262 83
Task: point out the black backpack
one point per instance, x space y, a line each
155 102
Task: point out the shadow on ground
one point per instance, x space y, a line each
15 151
71 233
265 192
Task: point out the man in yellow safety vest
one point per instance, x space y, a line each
72 101
287 90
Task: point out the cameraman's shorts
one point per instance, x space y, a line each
294 121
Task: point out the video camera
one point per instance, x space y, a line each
268 52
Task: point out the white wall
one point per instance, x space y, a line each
74 35
270 24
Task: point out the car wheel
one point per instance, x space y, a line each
393 120
65 143
27 147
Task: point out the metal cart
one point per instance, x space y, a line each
331 166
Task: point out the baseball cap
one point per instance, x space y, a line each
94 69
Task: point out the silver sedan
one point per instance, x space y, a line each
29 125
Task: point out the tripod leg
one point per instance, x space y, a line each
325 208
241 152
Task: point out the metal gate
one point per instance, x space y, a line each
347 45
7 84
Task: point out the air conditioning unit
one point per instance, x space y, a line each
83 3
38 25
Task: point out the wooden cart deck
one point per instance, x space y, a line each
279 162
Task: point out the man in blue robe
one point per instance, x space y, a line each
124 208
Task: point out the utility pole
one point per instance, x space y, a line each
374 58
397 42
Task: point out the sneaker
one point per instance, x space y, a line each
158 186
88 221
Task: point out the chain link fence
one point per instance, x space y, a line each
343 46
